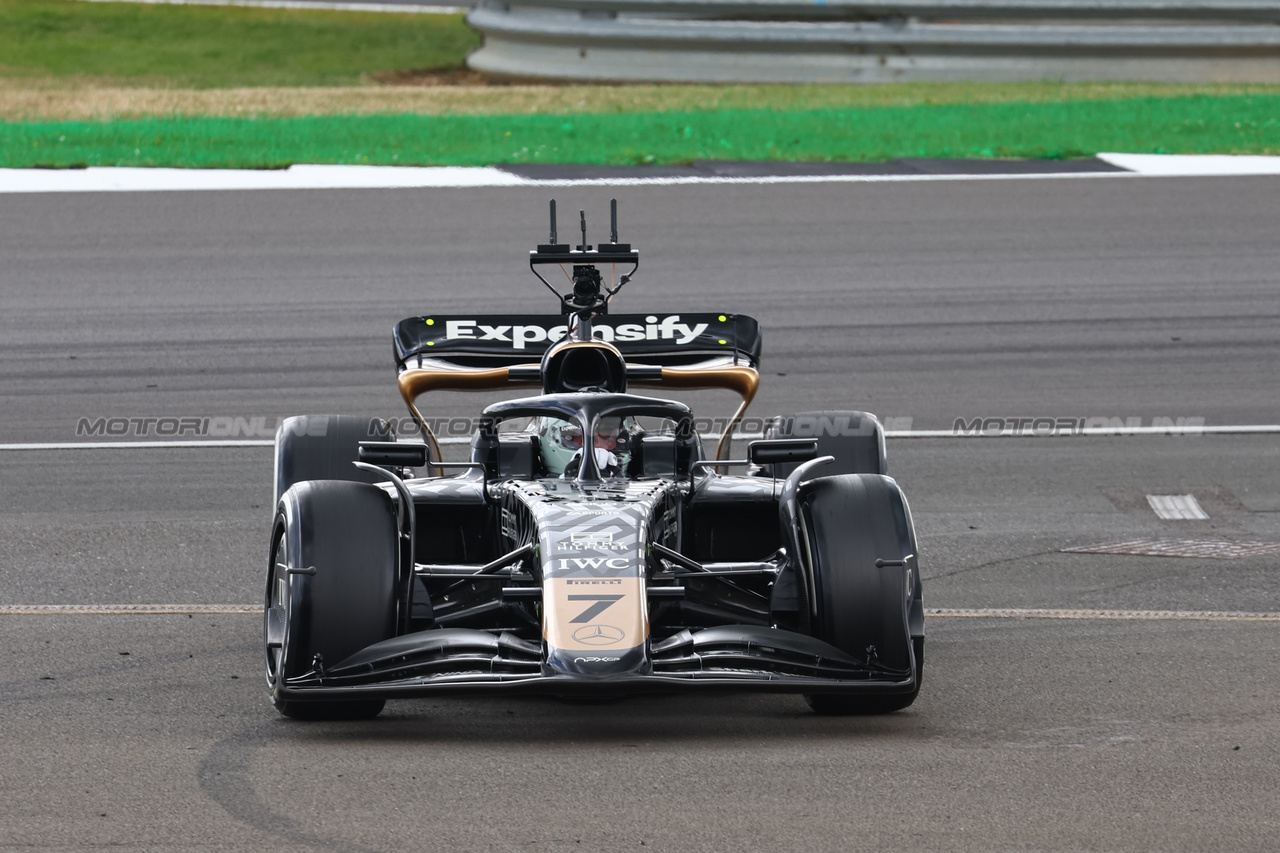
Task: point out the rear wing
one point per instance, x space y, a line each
480 352
505 340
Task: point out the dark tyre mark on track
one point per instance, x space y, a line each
226 776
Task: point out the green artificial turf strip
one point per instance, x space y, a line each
221 46
1235 125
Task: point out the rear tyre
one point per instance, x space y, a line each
322 447
346 532
851 521
855 439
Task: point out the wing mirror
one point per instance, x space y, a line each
393 454
782 450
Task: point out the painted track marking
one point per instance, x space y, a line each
1177 507
1210 549
315 176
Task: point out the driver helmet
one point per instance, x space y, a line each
561 444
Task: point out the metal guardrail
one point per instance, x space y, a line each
788 41
1240 10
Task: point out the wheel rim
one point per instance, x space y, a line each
276 611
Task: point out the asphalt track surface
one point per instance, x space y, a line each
1137 298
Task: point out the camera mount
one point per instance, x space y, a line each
590 296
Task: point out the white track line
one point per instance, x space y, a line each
1239 429
137 445
302 4
304 176
1194 165
939 612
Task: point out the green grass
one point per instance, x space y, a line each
1240 124
221 46
259 88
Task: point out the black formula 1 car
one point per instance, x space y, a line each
588 548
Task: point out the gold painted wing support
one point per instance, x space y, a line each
745 381
416 381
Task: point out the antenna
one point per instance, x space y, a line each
613 221
583 218
553 221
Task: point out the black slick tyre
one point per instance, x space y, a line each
855 439
322 447
851 521
331 587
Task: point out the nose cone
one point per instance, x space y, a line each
596 662
595 610
595 627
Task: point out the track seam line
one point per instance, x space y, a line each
939 612
1101 615
126 609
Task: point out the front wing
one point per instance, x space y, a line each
728 658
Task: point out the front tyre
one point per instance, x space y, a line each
850 522
331 587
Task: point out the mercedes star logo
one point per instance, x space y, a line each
599 635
